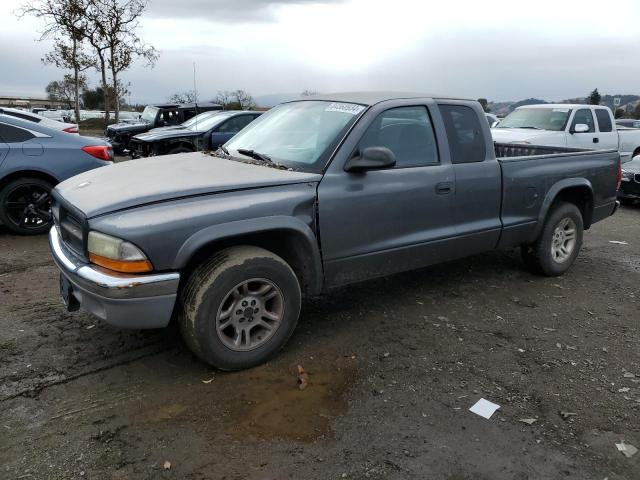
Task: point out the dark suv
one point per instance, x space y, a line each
154 116
206 131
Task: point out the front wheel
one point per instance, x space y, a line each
239 308
559 243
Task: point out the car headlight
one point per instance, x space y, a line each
116 254
626 175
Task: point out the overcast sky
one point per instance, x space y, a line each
499 49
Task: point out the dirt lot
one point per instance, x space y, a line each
394 366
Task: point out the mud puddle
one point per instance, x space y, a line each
269 403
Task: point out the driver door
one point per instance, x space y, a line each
379 222
588 139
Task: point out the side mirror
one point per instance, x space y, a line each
580 128
371 158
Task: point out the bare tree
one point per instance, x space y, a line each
309 93
65 90
64 20
189 96
114 36
224 98
94 34
244 100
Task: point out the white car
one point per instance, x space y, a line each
568 125
35 118
58 115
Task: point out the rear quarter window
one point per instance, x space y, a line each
11 134
464 134
31 118
604 120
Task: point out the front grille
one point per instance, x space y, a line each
71 230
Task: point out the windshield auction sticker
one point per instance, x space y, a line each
345 108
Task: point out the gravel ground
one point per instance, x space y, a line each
394 365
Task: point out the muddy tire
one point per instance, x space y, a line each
25 206
239 308
559 243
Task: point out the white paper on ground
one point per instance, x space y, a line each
484 408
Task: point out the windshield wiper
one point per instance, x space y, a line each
224 150
254 154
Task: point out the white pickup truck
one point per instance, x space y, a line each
568 125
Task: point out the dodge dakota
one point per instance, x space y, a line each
314 194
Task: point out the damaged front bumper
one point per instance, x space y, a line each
122 300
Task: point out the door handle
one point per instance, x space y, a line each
596 139
444 188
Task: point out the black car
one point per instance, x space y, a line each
154 116
206 131
630 186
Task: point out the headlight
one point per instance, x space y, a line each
116 254
626 175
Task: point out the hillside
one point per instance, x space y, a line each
627 102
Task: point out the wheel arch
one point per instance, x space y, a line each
578 191
30 173
178 144
287 237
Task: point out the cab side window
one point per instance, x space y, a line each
585 117
407 132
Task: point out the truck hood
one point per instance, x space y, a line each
156 135
154 179
129 127
510 135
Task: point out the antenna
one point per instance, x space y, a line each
195 94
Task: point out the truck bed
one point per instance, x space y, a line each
533 174
508 150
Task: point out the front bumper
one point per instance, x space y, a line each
122 300
630 189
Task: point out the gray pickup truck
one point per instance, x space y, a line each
314 194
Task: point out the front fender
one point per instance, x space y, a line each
240 228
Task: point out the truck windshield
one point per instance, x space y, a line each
537 118
298 134
149 114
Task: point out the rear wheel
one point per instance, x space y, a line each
25 206
239 308
559 243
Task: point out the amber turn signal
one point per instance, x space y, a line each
123 266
